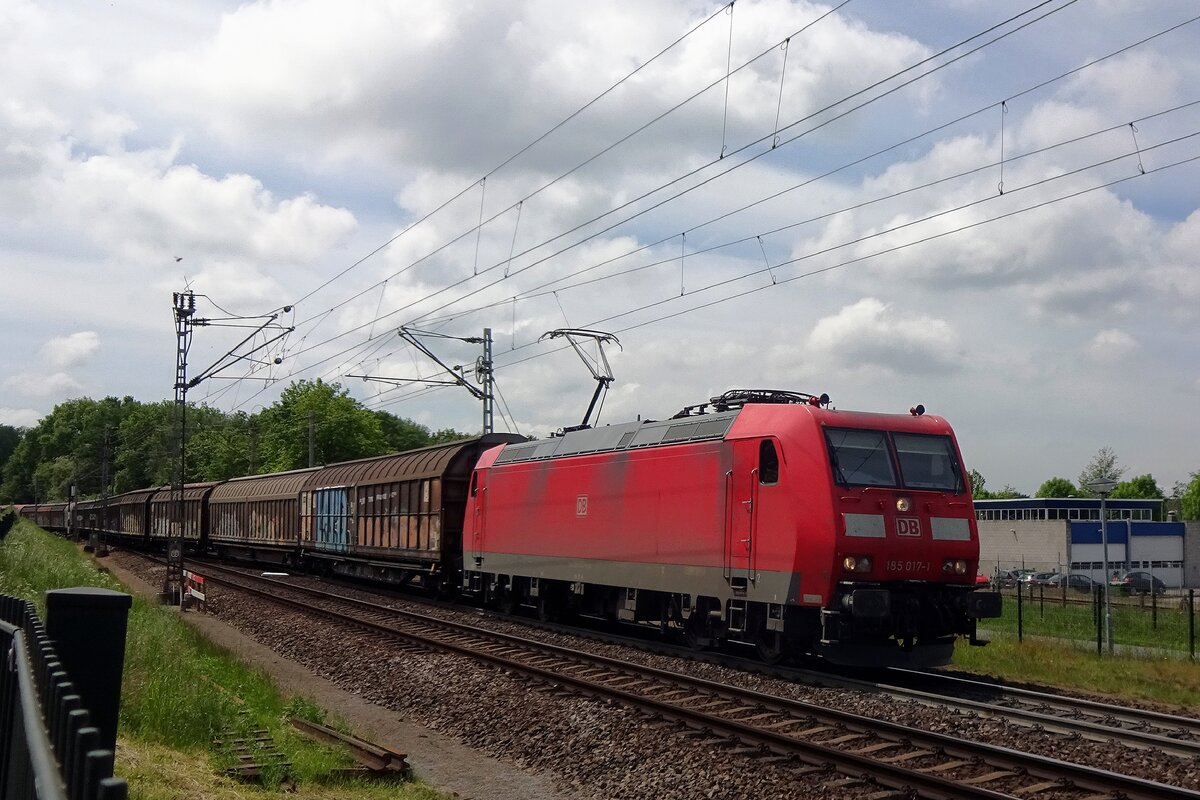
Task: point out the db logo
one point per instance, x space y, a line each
581 505
906 526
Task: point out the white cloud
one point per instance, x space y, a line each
871 336
19 417
56 384
297 71
68 351
1111 346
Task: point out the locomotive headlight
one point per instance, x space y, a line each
903 504
856 563
957 566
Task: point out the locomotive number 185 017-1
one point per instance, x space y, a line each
907 566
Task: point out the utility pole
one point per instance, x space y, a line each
1104 487
184 308
103 494
312 438
483 373
253 446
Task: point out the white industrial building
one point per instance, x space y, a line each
1064 534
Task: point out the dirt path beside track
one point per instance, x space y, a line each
437 759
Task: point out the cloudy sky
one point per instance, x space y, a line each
987 207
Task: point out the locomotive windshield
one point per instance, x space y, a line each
865 458
860 457
927 462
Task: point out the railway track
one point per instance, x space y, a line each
1168 733
1171 734
879 759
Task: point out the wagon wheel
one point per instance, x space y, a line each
769 646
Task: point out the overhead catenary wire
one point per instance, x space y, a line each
543 290
538 140
735 166
604 151
859 259
1080 67
938 128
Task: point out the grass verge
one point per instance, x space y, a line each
180 692
1169 681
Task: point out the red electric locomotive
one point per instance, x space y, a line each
762 517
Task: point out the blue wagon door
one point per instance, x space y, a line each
331 519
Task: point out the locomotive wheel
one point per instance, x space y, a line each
507 603
694 633
769 646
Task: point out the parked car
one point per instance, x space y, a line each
1037 579
1007 578
1076 581
1141 583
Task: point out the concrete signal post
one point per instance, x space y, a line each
1104 488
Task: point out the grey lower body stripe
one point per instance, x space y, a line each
761 586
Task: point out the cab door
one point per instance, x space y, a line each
741 515
478 501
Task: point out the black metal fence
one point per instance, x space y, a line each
51 746
1158 624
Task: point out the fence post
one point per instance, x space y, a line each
1042 601
1153 607
1192 623
88 629
1020 616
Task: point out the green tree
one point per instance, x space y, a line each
1189 500
978 492
1142 487
1103 466
17 485
342 428
146 455
218 445
1057 487
402 434
72 445
447 435
10 437
1008 493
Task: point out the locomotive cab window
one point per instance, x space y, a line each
768 463
928 462
860 458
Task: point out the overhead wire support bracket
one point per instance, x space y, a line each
599 366
483 369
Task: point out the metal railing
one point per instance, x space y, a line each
50 745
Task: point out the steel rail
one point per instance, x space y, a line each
1053 772
1132 716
